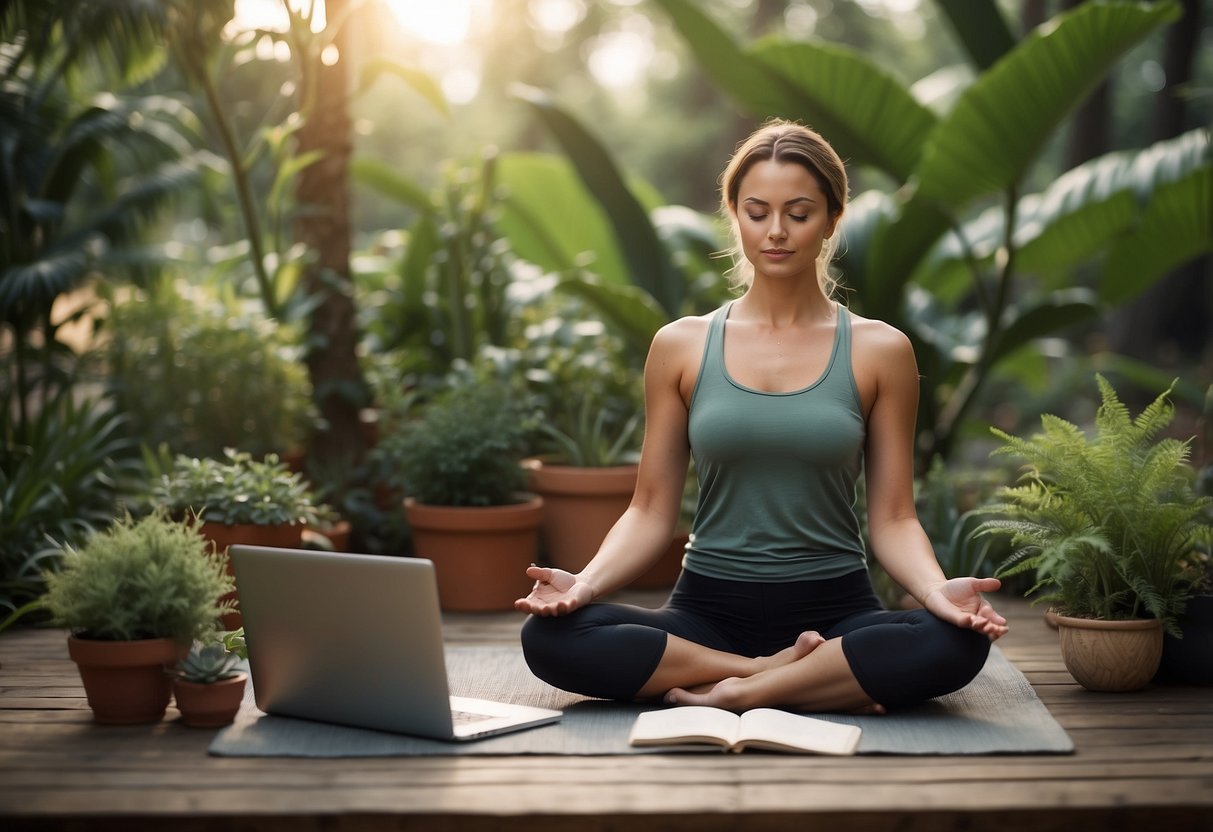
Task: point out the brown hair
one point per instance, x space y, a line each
784 141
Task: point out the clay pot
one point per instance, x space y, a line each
480 555
1110 655
125 681
209 705
580 507
284 535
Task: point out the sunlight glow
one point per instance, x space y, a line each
270 15
444 23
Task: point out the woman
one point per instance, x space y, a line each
783 396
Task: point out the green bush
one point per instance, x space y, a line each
464 449
199 375
1109 524
236 490
146 578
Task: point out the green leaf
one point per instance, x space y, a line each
982 29
1002 121
648 262
551 220
288 171
421 83
1055 313
628 310
386 180
866 114
756 87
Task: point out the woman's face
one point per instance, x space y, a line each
783 219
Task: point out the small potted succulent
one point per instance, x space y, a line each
134 597
459 461
208 683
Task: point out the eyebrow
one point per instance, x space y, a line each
757 201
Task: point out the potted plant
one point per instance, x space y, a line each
208 684
134 597
459 464
239 499
586 477
1109 524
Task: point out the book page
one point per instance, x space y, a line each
686 724
780 730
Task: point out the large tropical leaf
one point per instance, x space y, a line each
756 87
1177 226
388 181
648 262
422 83
982 29
628 310
1002 121
866 114
551 219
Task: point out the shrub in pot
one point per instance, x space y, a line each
1109 525
458 461
134 597
586 475
239 499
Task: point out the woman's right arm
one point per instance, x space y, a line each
646 528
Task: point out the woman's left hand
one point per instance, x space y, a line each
960 602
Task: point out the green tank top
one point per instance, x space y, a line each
776 471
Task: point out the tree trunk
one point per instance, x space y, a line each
1090 130
323 226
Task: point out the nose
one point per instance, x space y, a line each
776 230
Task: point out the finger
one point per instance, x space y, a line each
539 573
986 584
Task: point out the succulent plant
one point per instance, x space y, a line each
207 663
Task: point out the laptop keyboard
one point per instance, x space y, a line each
468 717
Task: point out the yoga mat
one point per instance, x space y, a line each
997 713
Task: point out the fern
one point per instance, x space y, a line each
1110 524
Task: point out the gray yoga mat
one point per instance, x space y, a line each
998 713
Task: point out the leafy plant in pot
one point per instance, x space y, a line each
1109 525
134 597
459 463
586 476
238 500
208 684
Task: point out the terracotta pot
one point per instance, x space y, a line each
209 705
480 555
1110 655
580 507
338 535
285 535
125 681
665 572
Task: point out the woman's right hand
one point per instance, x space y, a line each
556 592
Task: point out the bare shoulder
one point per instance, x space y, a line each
876 342
677 352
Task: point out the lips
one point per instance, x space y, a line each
776 252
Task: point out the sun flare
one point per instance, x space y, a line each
441 23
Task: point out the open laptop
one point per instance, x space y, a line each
357 640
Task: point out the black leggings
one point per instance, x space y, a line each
899 657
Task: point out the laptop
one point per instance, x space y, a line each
357 640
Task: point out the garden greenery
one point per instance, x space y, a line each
237 490
1110 524
464 449
146 578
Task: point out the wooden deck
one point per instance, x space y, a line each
1144 761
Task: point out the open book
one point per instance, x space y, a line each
765 728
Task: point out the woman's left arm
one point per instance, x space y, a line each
887 375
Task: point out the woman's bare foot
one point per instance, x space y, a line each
722 694
806 643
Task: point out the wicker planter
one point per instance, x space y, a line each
125 681
480 555
1110 655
